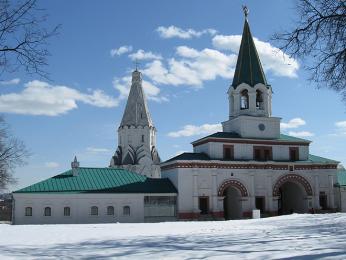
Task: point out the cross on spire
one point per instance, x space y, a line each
136 64
246 11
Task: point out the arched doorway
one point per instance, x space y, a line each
292 191
232 191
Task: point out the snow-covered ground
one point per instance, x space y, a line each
303 236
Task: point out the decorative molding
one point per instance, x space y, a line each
233 183
244 166
239 141
292 178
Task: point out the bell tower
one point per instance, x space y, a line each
137 135
250 95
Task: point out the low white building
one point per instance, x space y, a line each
250 165
95 195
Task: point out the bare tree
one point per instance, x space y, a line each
12 154
23 40
320 37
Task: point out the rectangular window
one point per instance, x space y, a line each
228 152
142 138
294 153
203 205
67 211
262 153
28 211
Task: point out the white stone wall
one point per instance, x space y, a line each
80 205
248 126
245 151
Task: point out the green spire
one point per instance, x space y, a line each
249 69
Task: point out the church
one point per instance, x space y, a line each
249 165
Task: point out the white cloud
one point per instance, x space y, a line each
301 133
52 164
176 32
10 82
152 92
142 55
121 50
191 67
341 127
272 58
42 98
97 150
191 130
293 123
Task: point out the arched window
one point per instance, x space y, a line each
244 99
94 211
67 211
28 211
47 211
259 99
126 211
110 210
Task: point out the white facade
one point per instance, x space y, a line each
250 164
196 179
126 208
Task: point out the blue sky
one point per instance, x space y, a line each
187 53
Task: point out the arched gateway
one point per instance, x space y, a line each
292 191
233 191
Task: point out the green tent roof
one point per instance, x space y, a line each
231 135
249 68
101 180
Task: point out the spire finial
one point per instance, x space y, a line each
75 166
246 11
136 64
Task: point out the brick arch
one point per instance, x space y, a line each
233 183
292 178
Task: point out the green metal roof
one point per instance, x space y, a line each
205 157
101 180
318 159
231 135
341 177
190 157
248 69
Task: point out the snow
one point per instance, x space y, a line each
303 236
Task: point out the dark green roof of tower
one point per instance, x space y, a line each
249 69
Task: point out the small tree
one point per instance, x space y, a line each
12 154
23 40
320 34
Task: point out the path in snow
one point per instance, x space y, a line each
304 236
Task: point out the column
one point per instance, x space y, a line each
331 191
316 193
195 192
236 104
270 200
252 101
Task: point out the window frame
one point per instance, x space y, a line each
47 212
229 148
110 209
294 150
263 153
94 211
125 209
67 209
26 212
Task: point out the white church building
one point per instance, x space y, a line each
249 165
